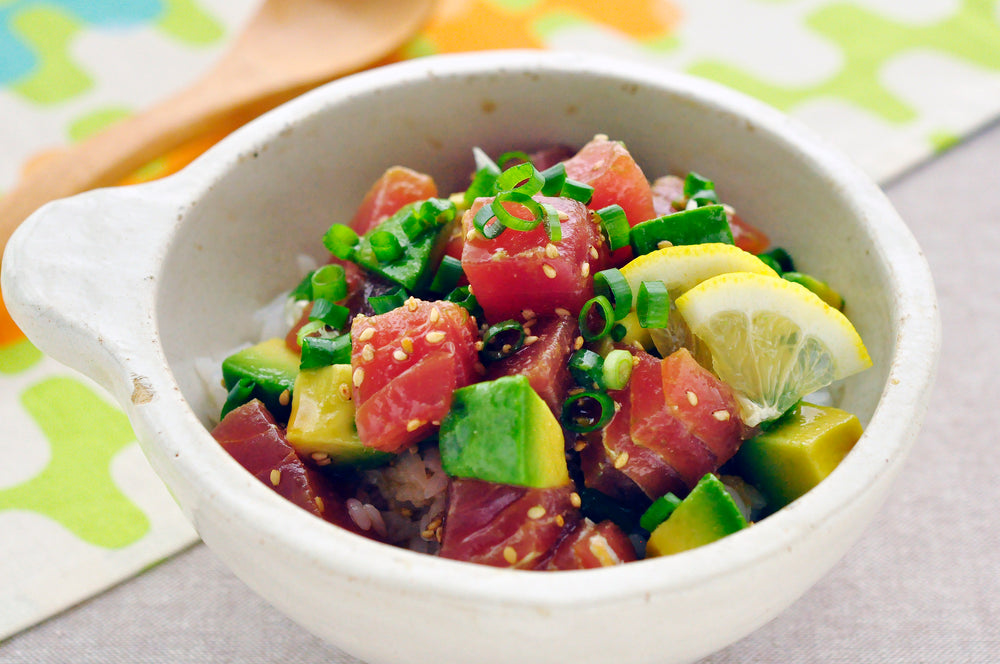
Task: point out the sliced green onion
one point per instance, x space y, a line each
513 155
510 220
614 225
502 339
587 411
596 306
330 313
554 177
553 224
781 257
618 332
309 328
617 369
659 511
329 283
612 284
414 226
693 183
239 395
448 274
323 351
578 191
437 211
487 224
340 240
587 369
463 297
523 178
386 246
304 291
383 304
652 306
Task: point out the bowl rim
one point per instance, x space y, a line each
880 452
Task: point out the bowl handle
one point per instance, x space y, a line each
78 277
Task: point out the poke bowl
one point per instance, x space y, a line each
135 286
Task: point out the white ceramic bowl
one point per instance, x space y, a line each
130 285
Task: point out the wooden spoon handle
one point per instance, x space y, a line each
108 157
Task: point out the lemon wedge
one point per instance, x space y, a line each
680 268
771 340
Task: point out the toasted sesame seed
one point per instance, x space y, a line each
575 390
398 354
560 311
285 397
585 269
635 360
479 345
435 315
325 461
593 253
549 271
427 534
366 334
574 499
411 303
527 314
471 235
434 336
580 445
528 323
721 415
405 511
407 345
368 353
319 456
438 534
551 250
536 512
663 244
345 391
414 424
692 398
509 554
560 521
563 216
358 377
578 343
434 524
621 460
530 339
275 477
319 504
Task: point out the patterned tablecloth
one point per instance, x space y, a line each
889 81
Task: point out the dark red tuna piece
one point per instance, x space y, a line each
591 545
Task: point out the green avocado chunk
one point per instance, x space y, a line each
502 431
707 514
272 367
797 452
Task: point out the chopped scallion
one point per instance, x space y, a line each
487 224
587 411
652 306
554 177
659 511
553 224
618 332
484 180
596 318
463 297
383 304
448 275
578 191
513 155
386 246
329 282
523 178
304 291
502 339
614 226
323 351
309 328
340 240
781 257
612 284
587 369
617 369
239 395
510 220
330 313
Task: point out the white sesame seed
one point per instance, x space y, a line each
435 315
368 353
551 250
536 512
585 269
574 499
478 345
411 303
471 235
721 415
530 339
692 398
621 460
663 244
434 336
400 355
358 377
366 334
527 314
580 445
509 554
285 397
562 312
319 504
563 216
275 477
593 253
319 456
578 343
414 424
549 271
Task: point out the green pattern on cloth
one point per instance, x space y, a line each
76 488
19 356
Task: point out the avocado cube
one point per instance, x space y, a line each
321 424
272 366
707 514
501 431
803 447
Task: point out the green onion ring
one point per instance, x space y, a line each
487 224
383 304
618 332
340 240
494 345
614 225
386 246
448 274
309 328
652 306
612 284
578 191
659 511
617 369
523 178
554 177
323 351
553 224
519 198
240 394
329 283
587 369
578 411
603 307
512 155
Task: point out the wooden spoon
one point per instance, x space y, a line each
288 47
